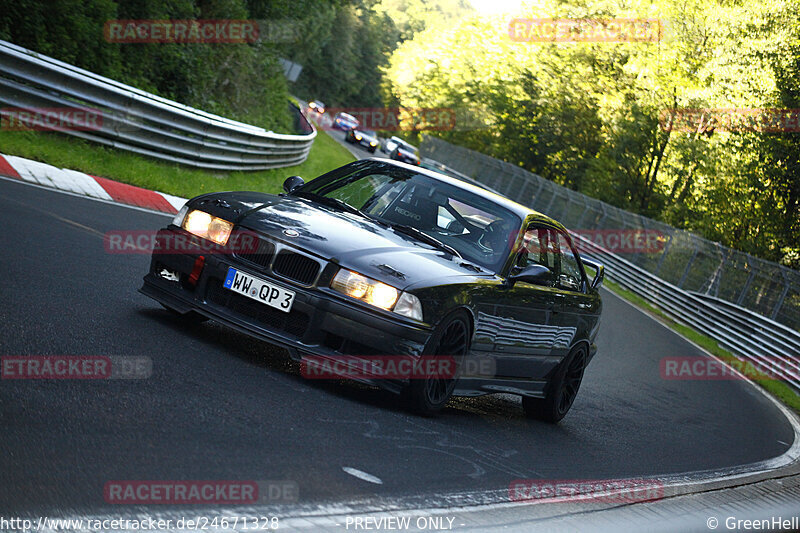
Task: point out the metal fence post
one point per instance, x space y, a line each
664 254
781 298
689 265
746 286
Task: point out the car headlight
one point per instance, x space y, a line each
358 137
365 289
207 226
373 144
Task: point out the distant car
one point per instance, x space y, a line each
366 138
406 153
378 262
345 122
317 106
389 144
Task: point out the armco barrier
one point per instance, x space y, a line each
145 123
746 337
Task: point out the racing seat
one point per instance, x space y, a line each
421 213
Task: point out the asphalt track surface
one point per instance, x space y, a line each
221 406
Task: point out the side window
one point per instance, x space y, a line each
570 276
540 247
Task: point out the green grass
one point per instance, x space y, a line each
779 389
68 152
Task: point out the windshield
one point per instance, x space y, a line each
481 230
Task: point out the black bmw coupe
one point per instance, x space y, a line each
379 260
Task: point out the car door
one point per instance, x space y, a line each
574 307
526 334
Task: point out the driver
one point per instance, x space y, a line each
496 237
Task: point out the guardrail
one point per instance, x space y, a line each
748 335
144 123
764 342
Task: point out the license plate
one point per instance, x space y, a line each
259 290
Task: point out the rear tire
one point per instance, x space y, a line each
561 391
427 396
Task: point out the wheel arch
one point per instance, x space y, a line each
581 342
457 309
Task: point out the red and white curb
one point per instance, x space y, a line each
87 185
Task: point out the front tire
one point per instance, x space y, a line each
561 391
428 395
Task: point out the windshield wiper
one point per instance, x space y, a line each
424 237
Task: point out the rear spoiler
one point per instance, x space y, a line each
599 274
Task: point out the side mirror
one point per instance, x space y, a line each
600 273
293 182
535 274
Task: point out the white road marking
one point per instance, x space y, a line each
362 475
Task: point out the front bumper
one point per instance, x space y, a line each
319 324
365 144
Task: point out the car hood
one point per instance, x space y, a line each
355 243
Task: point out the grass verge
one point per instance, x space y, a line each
779 389
64 151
